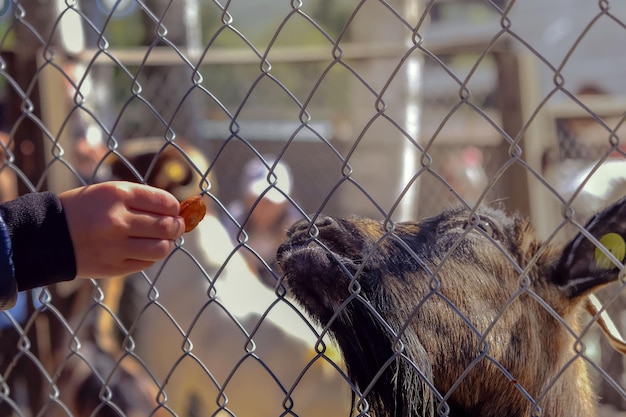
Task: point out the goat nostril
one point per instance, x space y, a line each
299 227
323 221
308 228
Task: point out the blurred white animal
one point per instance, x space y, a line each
217 339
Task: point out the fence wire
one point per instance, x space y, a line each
277 111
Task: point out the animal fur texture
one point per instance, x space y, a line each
460 314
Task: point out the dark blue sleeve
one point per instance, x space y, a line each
43 253
8 285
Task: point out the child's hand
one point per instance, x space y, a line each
120 227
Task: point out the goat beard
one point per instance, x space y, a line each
391 371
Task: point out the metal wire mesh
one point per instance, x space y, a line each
384 109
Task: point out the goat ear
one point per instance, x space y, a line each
584 264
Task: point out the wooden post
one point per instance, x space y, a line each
509 95
29 147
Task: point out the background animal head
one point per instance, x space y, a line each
178 169
462 311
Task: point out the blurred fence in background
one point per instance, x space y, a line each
379 108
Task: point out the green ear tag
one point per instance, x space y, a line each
616 245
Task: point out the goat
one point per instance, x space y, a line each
461 314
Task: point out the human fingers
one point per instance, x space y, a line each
149 199
153 226
146 249
120 268
130 266
128 256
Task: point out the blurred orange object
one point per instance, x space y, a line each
192 209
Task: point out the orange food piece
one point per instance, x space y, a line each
192 210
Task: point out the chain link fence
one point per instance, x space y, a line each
384 109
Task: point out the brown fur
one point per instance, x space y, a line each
470 315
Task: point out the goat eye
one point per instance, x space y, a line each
486 227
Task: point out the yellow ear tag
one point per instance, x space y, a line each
616 245
175 171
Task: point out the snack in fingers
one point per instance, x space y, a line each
192 210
